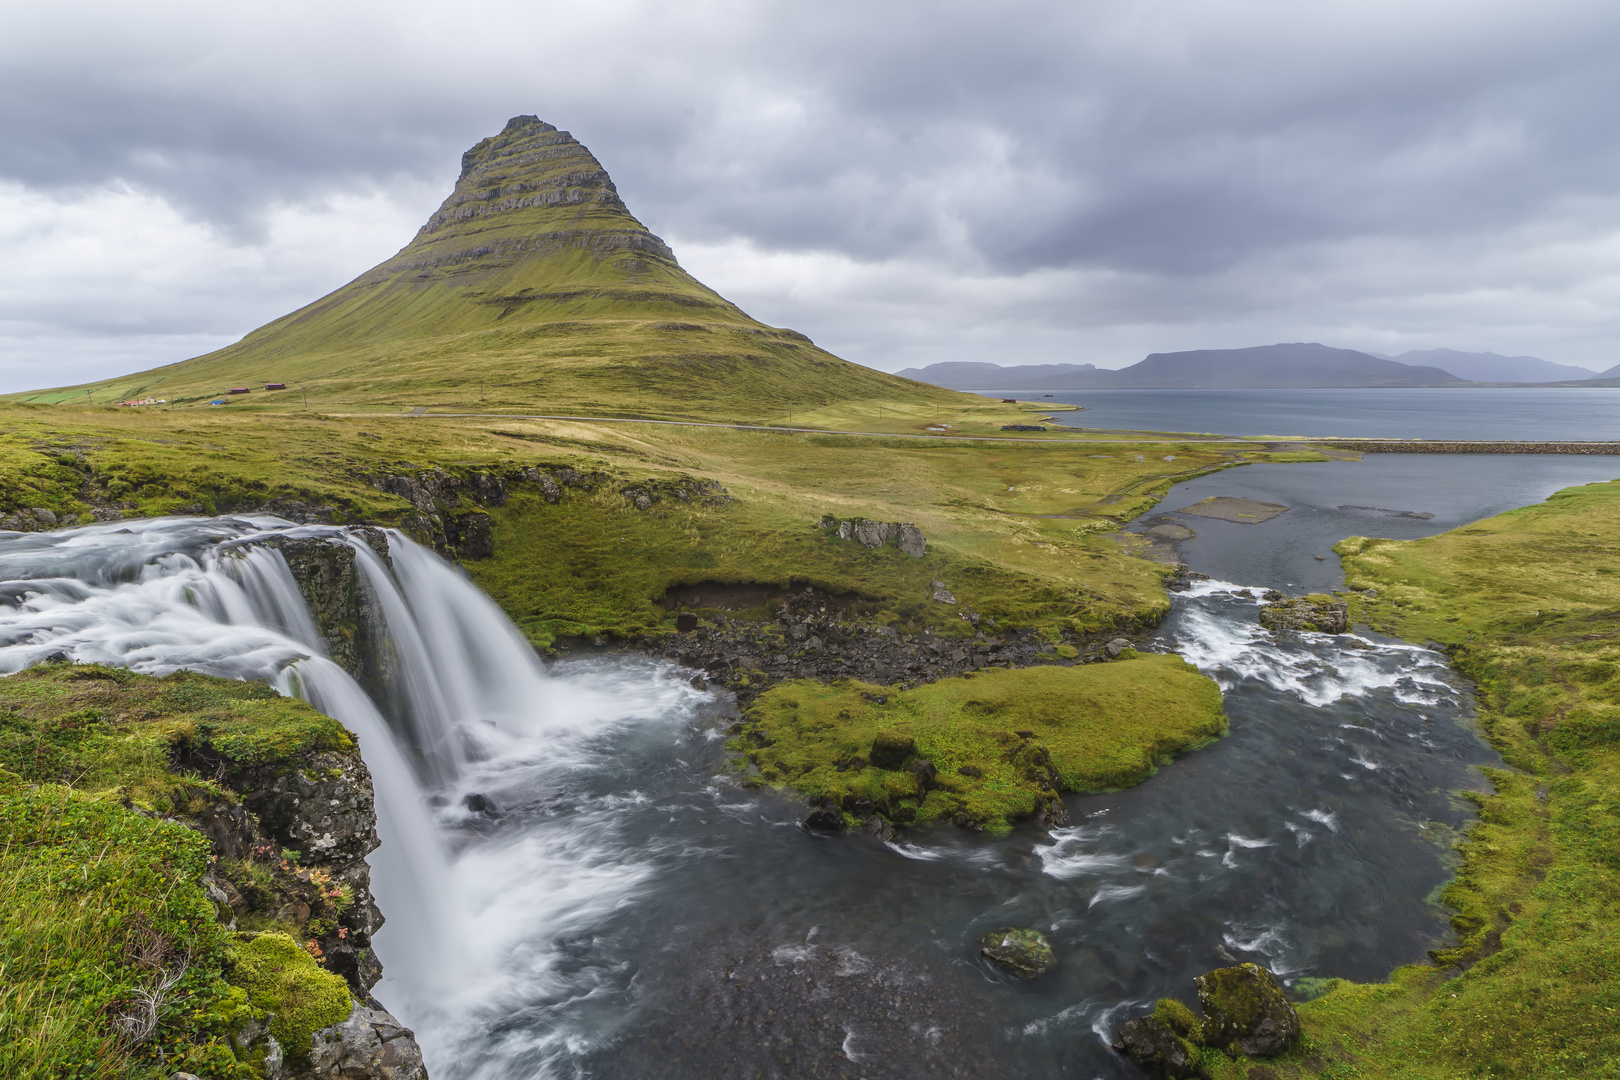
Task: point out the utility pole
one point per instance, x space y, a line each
304 390
88 398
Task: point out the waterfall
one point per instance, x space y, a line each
214 595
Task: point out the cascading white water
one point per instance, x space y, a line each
212 596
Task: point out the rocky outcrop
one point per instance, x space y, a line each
369 1045
646 494
442 517
875 534
811 636
340 602
309 825
1317 612
1244 1010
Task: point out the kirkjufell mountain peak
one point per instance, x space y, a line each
532 286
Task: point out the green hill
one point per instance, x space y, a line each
532 286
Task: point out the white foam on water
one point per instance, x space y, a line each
1070 855
1107 894
1319 669
1324 817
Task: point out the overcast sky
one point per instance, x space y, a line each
904 182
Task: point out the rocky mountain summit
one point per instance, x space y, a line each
531 285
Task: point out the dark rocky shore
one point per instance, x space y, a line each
815 635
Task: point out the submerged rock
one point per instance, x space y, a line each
1244 1009
1318 611
1017 951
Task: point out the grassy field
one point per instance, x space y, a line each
1527 605
1020 530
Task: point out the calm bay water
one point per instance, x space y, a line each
1415 413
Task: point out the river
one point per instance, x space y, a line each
627 912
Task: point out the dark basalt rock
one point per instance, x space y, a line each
1245 1010
1318 611
1017 951
818 635
472 536
1157 1049
825 816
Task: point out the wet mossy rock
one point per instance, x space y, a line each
1319 612
1159 1050
1018 951
1246 1011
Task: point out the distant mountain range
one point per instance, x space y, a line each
1293 366
1489 367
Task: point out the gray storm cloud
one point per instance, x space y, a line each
906 183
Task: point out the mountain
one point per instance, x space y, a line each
532 286
1296 365
960 375
1489 367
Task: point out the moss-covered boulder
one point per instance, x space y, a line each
1245 1011
283 979
1155 1046
891 748
1319 612
1017 951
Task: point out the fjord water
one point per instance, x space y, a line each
627 913
1426 412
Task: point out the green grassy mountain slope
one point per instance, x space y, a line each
532 286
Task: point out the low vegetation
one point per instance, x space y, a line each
1527 604
982 750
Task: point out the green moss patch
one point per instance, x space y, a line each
108 729
1002 741
281 978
